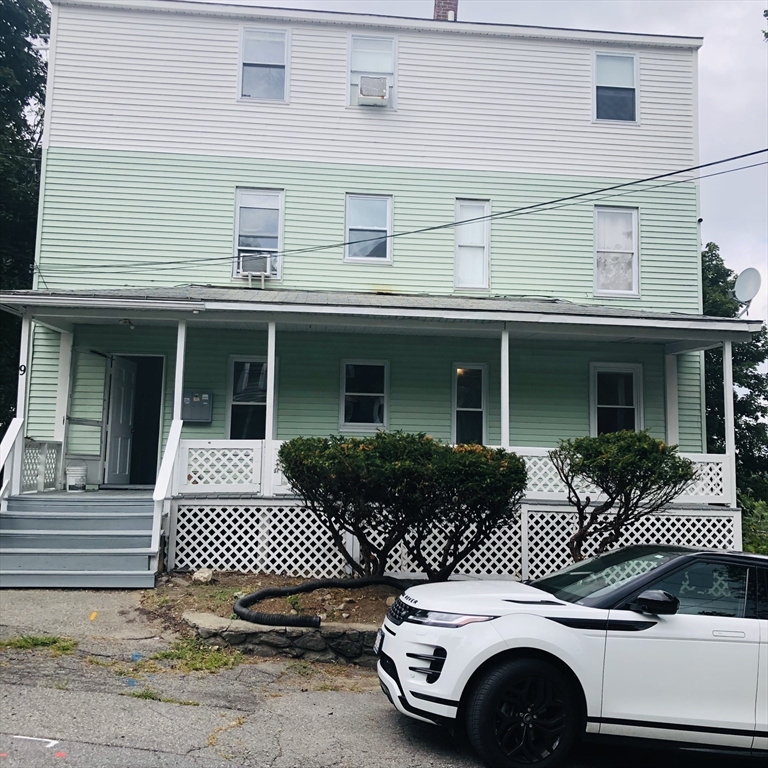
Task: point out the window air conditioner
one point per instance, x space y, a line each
255 264
373 91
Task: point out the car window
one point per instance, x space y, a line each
707 589
762 592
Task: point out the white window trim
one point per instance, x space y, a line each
240 61
454 394
281 215
487 211
365 428
636 58
368 259
635 292
392 107
230 381
636 369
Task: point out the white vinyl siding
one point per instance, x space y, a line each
471 101
616 87
616 397
369 228
364 395
264 65
471 270
258 232
617 271
371 57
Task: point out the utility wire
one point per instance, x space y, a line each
562 202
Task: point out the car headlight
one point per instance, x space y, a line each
438 619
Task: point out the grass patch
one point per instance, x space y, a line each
150 695
302 668
56 645
190 655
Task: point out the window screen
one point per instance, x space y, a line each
615 87
258 232
471 245
248 400
365 394
264 60
367 227
615 251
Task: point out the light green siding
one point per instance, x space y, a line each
43 384
165 219
690 383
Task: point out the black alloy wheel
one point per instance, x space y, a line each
523 713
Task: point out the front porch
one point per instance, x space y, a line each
238 377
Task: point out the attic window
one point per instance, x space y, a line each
264 64
615 89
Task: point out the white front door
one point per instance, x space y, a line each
120 422
691 676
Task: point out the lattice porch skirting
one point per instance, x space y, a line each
280 536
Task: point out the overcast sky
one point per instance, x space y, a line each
733 92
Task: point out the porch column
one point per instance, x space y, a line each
728 417
505 388
270 454
178 385
671 399
21 402
62 391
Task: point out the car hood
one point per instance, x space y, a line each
485 598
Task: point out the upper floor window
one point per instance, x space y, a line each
369 226
364 400
616 397
264 65
258 232
616 252
373 60
615 88
471 270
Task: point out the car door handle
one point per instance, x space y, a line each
727 633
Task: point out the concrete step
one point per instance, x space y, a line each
81 502
75 559
69 540
77 579
76 521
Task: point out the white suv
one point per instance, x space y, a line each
657 642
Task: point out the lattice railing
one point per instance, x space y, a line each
40 466
285 538
207 466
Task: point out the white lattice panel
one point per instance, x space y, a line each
241 536
548 534
542 476
709 482
30 466
51 468
220 465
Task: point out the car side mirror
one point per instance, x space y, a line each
656 602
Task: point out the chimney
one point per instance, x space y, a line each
446 10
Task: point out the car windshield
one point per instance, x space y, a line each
590 580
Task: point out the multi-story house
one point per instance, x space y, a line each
261 223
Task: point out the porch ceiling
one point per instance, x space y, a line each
340 312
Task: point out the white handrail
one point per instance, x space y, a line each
164 479
9 439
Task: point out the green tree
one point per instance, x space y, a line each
22 93
751 386
630 475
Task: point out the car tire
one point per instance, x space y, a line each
523 713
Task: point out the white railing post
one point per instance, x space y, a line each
21 402
505 388
268 464
165 480
728 419
9 457
525 563
178 383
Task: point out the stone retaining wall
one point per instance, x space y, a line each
331 643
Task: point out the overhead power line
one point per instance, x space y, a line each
562 202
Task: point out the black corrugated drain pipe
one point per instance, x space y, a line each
283 620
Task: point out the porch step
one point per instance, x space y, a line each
69 540
88 520
92 539
77 579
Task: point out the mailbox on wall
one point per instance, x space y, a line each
197 406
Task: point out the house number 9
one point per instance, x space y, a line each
22 369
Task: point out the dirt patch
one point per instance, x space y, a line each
176 594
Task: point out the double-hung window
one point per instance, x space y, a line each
616 397
247 399
372 58
369 226
258 232
471 269
469 404
364 394
264 65
616 252
615 88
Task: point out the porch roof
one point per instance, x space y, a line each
521 316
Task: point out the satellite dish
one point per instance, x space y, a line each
747 285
